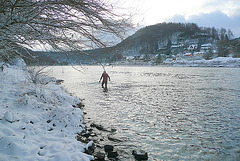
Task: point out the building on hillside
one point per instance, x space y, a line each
206 46
188 54
130 58
199 53
192 48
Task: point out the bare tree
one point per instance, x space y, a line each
62 25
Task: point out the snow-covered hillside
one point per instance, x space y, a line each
216 62
37 121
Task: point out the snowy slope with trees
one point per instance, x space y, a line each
38 121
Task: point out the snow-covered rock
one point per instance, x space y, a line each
9 116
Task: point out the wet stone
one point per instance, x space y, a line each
140 155
114 139
86 134
112 154
108 148
89 150
99 127
99 156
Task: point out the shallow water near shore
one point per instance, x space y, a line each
173 113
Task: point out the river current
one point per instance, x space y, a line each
173 113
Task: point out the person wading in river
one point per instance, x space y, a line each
105 78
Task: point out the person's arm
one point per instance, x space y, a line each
100 78
108 77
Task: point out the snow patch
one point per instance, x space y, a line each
38 121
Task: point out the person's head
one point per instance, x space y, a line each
104 71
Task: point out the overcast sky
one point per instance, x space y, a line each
206 13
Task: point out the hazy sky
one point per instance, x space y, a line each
207 13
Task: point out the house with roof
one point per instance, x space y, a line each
199 53
188 54
192 47
206 46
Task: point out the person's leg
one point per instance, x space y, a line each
102 84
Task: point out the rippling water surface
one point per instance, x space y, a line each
172 113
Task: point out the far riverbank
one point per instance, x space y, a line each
217 62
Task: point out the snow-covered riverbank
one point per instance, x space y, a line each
216 62
37 121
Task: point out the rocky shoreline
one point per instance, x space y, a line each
104 145
39 121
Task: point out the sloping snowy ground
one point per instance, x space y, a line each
37 122
216 62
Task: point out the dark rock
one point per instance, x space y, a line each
113 130
90 130
99 156
80 105
108 148
86 134
83 140
95 141
112 154
59 81
93 125
89 149
114 139
99 127
140 155
83 137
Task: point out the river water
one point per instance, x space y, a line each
173 113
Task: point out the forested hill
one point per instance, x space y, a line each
153 40
162 31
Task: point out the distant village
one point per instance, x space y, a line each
179 52
187 50
171 42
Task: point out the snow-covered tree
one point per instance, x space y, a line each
61 25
